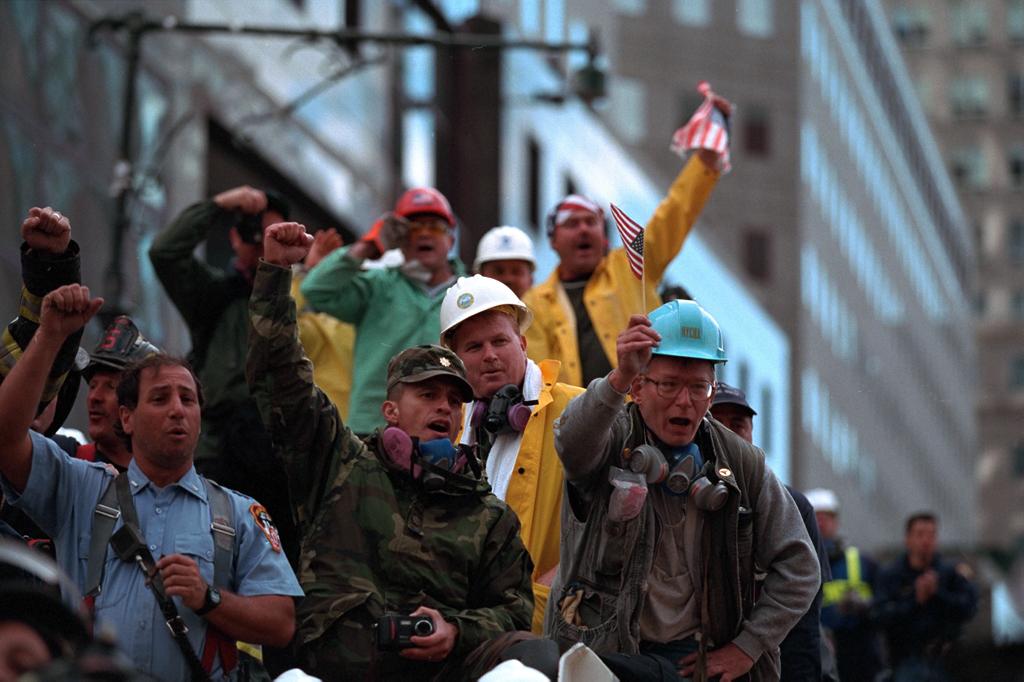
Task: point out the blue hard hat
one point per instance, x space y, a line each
687 331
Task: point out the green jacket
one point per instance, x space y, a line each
214 305
390 313
373 540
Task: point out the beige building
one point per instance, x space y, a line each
967 63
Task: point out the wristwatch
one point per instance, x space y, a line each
211 601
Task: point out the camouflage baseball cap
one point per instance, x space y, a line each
420 363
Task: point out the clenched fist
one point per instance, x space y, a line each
285 244
46 229
66 310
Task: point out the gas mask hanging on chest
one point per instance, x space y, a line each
505 412
431 462
680 477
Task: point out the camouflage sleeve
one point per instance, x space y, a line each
41 273
303 423
502 595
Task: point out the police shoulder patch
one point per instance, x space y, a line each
263 522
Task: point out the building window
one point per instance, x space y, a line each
633 8
757 256
533 207
968 96
570 186
969 169
756 129
1015 21
1018 460
1016 250
627 108
1015 94
692 12
1017 307
764 413
1017 373
754 17
911 25
969 22
1016 167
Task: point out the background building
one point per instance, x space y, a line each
966 61
839 219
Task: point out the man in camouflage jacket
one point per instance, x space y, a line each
375 540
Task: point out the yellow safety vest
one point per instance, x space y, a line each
836 589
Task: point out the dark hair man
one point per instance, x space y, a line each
401 523
667 515
160 403
922 602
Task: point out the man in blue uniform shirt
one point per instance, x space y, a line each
160 401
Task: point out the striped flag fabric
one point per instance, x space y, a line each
632 238
708 128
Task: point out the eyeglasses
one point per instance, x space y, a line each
428 224
670 388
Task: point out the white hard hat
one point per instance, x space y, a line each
471 296
504 243
823 500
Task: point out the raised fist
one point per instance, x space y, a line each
66 310
45 229
324 242
245 199
285 244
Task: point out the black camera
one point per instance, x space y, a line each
249 226
394 630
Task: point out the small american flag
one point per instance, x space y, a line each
708 128
632 238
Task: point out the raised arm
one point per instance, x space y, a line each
586 427
49 259
64 312
187 280
338 285
302 421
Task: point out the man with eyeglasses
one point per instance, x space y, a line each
668 512
391 308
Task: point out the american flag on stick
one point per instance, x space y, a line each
632 238
708 128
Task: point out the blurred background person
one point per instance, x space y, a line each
846 610
505 253
922 603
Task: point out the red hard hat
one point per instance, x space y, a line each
424 200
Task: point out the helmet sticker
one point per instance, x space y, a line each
465 300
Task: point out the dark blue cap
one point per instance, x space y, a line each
730 395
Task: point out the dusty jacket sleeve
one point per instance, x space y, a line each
187 280
587 429
675 216
41 273
784 550
339 286
304 425
501 598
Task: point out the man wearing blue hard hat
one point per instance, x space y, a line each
667 514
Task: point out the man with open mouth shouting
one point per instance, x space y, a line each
391 308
